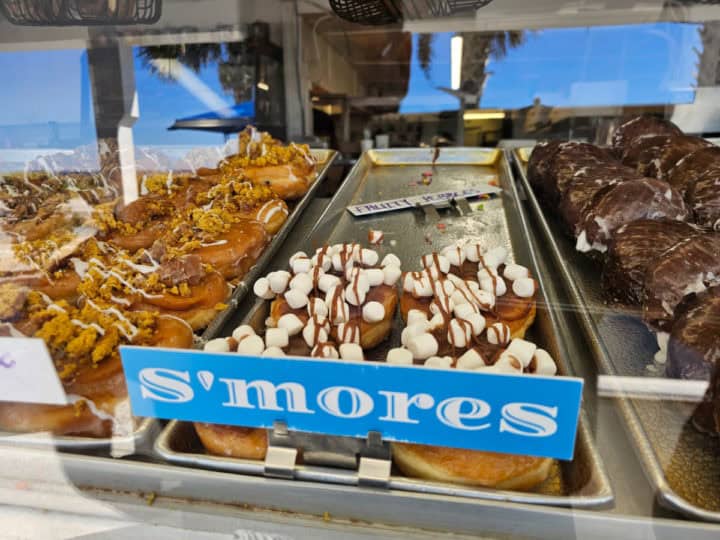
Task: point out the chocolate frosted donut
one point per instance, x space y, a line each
540 162
693 166
641 126
639 152
628 201
633 248
694 344
572 159
690 266
587 183
703 198
675 149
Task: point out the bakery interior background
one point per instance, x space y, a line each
598 66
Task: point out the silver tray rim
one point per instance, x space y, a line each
666 495
602 497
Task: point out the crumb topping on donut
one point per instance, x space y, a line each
259 149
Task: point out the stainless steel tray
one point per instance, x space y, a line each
325 159
386 174
138 442
145 430
681 463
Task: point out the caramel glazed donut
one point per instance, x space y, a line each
470 325
83 343
335 304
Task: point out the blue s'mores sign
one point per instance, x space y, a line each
530 415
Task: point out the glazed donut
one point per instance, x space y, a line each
287 170
233 441
234 252
84 344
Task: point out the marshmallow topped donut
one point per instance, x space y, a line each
286 170
463 343
464 278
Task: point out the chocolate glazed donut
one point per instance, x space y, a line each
634 247
641 126
694 343
693 166
688 267
703 198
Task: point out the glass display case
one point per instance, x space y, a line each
393 268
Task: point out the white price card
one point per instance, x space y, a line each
27 372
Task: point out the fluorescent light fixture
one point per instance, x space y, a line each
484 115
456 46
263 86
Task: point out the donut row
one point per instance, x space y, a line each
467 308
648 209
147 272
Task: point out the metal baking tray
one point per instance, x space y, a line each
681 463
386 174
325 159
145 429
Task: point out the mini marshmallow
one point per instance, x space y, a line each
355 296
477 322
438 362
391 260
441 304
242 331
412 330
459 298
500 288
522 350
291 323
436 322
449 287
515 271
251 345
408 282
296 299
524 287
375 276
484 299
297 255
507 363
273 352
415 316
339 263
313 335
301 265
498 333
324 350
399 357
543 363
317 307
276 337
323 261
368 257
348 333
352 271
470 360
373 312
430 260
261 288
458 334
352 352
217 345
320 320
454 254
278 281
423 346
327 282
472 252
302 283
487 273
391 274
495 256
462 311
422 288
340 313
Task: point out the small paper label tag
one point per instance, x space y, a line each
27 372
528 414
425 199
